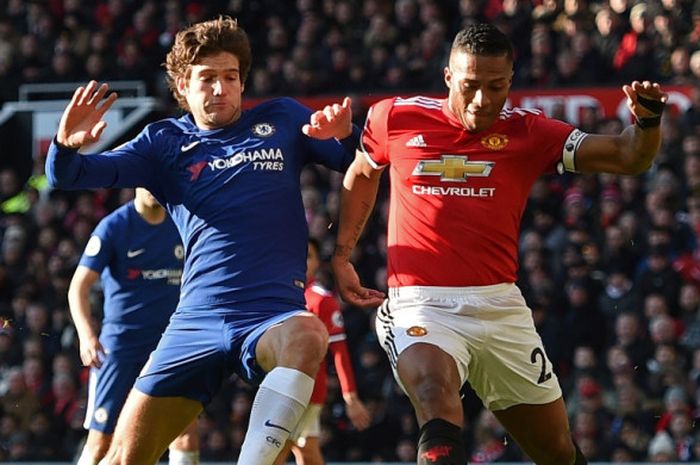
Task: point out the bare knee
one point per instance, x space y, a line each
430 390
432 382
185 441
433 397
309 338
300 342
188 440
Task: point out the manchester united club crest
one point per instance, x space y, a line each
263 129
494 141
416 331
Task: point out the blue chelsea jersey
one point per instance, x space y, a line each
233 194
140 266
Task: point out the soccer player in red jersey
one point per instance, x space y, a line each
303 442
461 169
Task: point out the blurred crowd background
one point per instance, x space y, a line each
610 265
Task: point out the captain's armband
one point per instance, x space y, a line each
568 155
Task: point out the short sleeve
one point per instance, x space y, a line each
552 136
99 249
373 141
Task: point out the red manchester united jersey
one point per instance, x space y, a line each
324 304
457 197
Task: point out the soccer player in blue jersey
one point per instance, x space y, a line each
230 181
137 253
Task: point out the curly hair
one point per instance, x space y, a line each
201 40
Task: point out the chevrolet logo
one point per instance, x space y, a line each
453 168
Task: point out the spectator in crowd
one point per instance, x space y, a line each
19 402
661 448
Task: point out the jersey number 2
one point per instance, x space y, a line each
544 374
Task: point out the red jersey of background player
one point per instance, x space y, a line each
457 197
324 304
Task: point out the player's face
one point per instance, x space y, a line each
213 90
479 87
313 261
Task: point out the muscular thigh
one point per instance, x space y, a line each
148 424
511 367
190 360
200 347
487 330
400 327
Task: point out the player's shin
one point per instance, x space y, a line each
441 443
279 405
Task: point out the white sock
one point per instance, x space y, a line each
86 458
183 457
278 406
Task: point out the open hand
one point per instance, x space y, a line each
333 121
357 413
349 286
81 123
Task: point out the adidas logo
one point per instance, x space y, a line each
416 141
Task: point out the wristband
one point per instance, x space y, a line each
654 106
648 122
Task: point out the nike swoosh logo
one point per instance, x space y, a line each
272 425
190 146
134 253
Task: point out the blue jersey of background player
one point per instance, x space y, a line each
140 266
230 180
137 254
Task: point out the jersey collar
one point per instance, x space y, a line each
451 118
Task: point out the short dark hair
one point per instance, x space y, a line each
483 39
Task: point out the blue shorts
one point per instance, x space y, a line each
107 391
201 348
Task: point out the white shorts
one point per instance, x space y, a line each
309 425
489 332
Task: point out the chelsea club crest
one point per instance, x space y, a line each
263 129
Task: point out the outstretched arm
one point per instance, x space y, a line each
354 407
91 351
633 150
82 123
359 192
